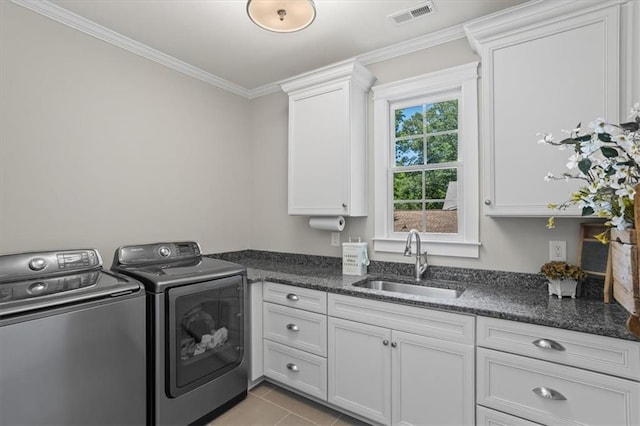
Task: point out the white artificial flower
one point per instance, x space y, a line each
600 126
589 147
573 161
635 110
546 138
619 223
548 177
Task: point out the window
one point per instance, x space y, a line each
426 162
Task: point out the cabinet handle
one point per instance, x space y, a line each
291 366
292 296
394 344
385 342
344 205
292 327
548 344
487 202
549 394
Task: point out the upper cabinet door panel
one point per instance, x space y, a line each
318 158
327 140
544 76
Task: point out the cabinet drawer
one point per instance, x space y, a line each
298 369
488 417
297 328
514 384
424 322
296 297
598 353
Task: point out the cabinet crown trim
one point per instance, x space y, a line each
522 17
349 70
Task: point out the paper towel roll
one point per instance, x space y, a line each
327 223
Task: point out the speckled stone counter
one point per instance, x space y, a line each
511 296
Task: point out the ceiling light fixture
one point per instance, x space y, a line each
282 16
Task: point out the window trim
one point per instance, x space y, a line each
462 81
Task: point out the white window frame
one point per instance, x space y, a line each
459 82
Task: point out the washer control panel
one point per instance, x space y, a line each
40 264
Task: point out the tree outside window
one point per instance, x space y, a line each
425 170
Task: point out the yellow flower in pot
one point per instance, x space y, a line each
563 278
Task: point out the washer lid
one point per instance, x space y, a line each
21 297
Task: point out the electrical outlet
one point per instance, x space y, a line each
335 239
558 251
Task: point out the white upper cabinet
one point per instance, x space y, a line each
546 66
327 140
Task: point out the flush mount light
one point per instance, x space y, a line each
282 16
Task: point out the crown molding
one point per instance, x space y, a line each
403 48
536 12
93 29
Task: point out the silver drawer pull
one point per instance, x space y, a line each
291 366
292 327
549 394
548 344
385 342
292 296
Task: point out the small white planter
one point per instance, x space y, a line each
564 287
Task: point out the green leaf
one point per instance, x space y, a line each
632 126
587 211
609 152
584 165
583 138
604 137
567 141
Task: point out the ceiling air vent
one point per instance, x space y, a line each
410 14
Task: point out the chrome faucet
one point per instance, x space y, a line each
421 258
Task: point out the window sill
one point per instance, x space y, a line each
437 248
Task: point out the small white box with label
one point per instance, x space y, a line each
354 258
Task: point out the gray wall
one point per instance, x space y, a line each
99 147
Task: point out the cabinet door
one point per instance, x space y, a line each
360 369
542 75
432 381
318 155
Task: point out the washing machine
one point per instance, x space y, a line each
72 341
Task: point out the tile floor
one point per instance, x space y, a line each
269 405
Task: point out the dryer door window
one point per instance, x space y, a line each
206 332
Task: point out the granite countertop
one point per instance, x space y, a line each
510 296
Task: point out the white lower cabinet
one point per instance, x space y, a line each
294 328
297 369
393 377
360 368
570 382
488 417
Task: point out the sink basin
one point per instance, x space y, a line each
412 289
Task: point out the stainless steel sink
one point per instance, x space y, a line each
413 289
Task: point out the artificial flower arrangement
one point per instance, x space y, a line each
607 159
562 270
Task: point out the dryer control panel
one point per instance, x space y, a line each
157 252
